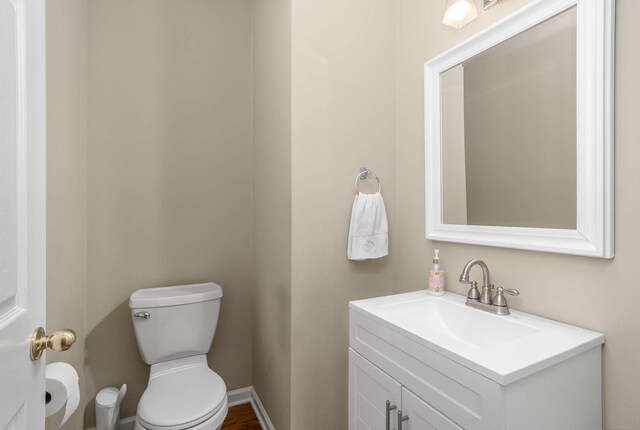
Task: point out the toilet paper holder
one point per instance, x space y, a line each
59 341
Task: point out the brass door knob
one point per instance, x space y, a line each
59 341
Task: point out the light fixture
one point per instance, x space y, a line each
459 13
489 3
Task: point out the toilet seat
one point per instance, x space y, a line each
182 398
213 423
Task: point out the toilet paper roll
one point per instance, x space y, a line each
62 387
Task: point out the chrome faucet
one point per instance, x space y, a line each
484 300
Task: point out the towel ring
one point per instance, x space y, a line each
364 172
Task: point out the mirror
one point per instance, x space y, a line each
504 162
518 132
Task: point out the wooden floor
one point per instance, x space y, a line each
241 417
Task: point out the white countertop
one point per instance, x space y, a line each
501 348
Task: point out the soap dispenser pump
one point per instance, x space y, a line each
436 276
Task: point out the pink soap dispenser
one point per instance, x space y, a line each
436 276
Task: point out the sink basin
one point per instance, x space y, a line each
502 348
478 329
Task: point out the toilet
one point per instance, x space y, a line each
174 327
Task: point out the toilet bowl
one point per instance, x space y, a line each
174 328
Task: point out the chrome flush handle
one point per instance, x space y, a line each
145 315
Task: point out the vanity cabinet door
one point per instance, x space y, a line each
422 416
369 390
468 398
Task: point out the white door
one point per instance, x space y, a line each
422 416
369 390
22 210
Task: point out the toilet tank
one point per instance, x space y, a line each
175 322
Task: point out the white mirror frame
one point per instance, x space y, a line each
594 77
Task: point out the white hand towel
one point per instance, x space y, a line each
369 231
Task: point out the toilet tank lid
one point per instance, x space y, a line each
173 296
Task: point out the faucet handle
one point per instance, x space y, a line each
499 299
473 293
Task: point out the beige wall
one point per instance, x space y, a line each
343 117
593 293
169 175
67 181
272 209
169 195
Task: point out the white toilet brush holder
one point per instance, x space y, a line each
108 403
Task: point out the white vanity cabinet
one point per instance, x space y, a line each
371 388
421 373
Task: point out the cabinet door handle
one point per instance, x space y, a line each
401 419
390 407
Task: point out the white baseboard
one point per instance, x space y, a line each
240 396
127 423
258 408
235 397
